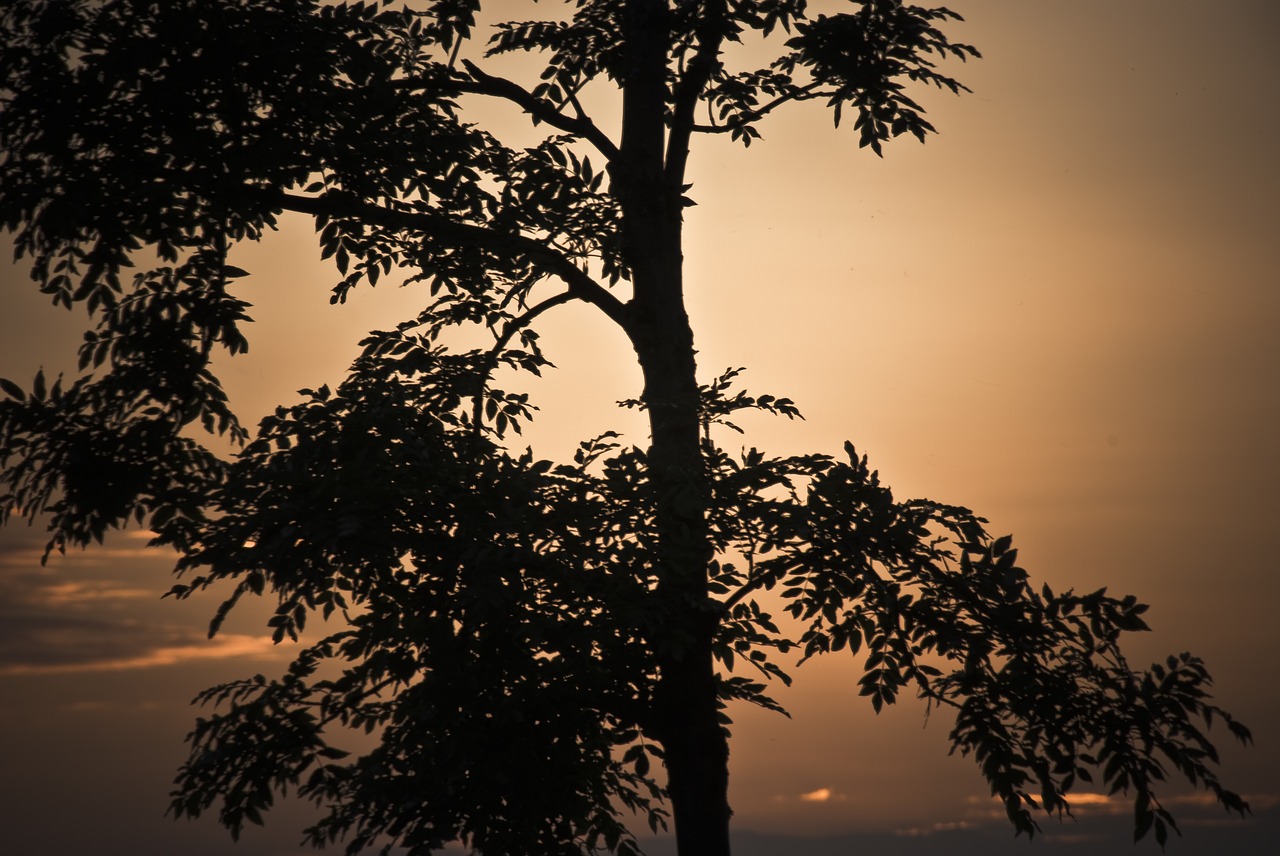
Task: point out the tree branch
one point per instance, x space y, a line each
513 327
750 586
542 111
803 93
581 284
710 32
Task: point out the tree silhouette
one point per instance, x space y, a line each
540 650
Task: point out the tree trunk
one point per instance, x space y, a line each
686 711
685 714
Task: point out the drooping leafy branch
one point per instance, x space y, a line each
451 559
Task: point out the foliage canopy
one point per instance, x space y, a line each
539 649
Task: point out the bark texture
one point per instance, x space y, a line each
685 715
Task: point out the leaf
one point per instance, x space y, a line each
12 389
1143 817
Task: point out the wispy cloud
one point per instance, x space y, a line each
1199 808
1082 802
934 828
69 618
22 548
63 594
220 647
821 795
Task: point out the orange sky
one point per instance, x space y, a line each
1061 312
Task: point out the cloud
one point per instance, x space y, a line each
821 795
22 547
934 828
1198 808
62 594
220 647
1081 802
56 620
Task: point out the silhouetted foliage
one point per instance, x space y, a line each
538 649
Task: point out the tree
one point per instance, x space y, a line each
522 640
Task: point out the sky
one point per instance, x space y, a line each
1060 312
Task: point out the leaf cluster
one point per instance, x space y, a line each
139 124
1042 695
111 447
862 60
494 633
500 635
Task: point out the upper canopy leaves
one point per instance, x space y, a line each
136 129
176 125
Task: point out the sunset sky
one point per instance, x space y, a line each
1063 311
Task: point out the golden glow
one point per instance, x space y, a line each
820 795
